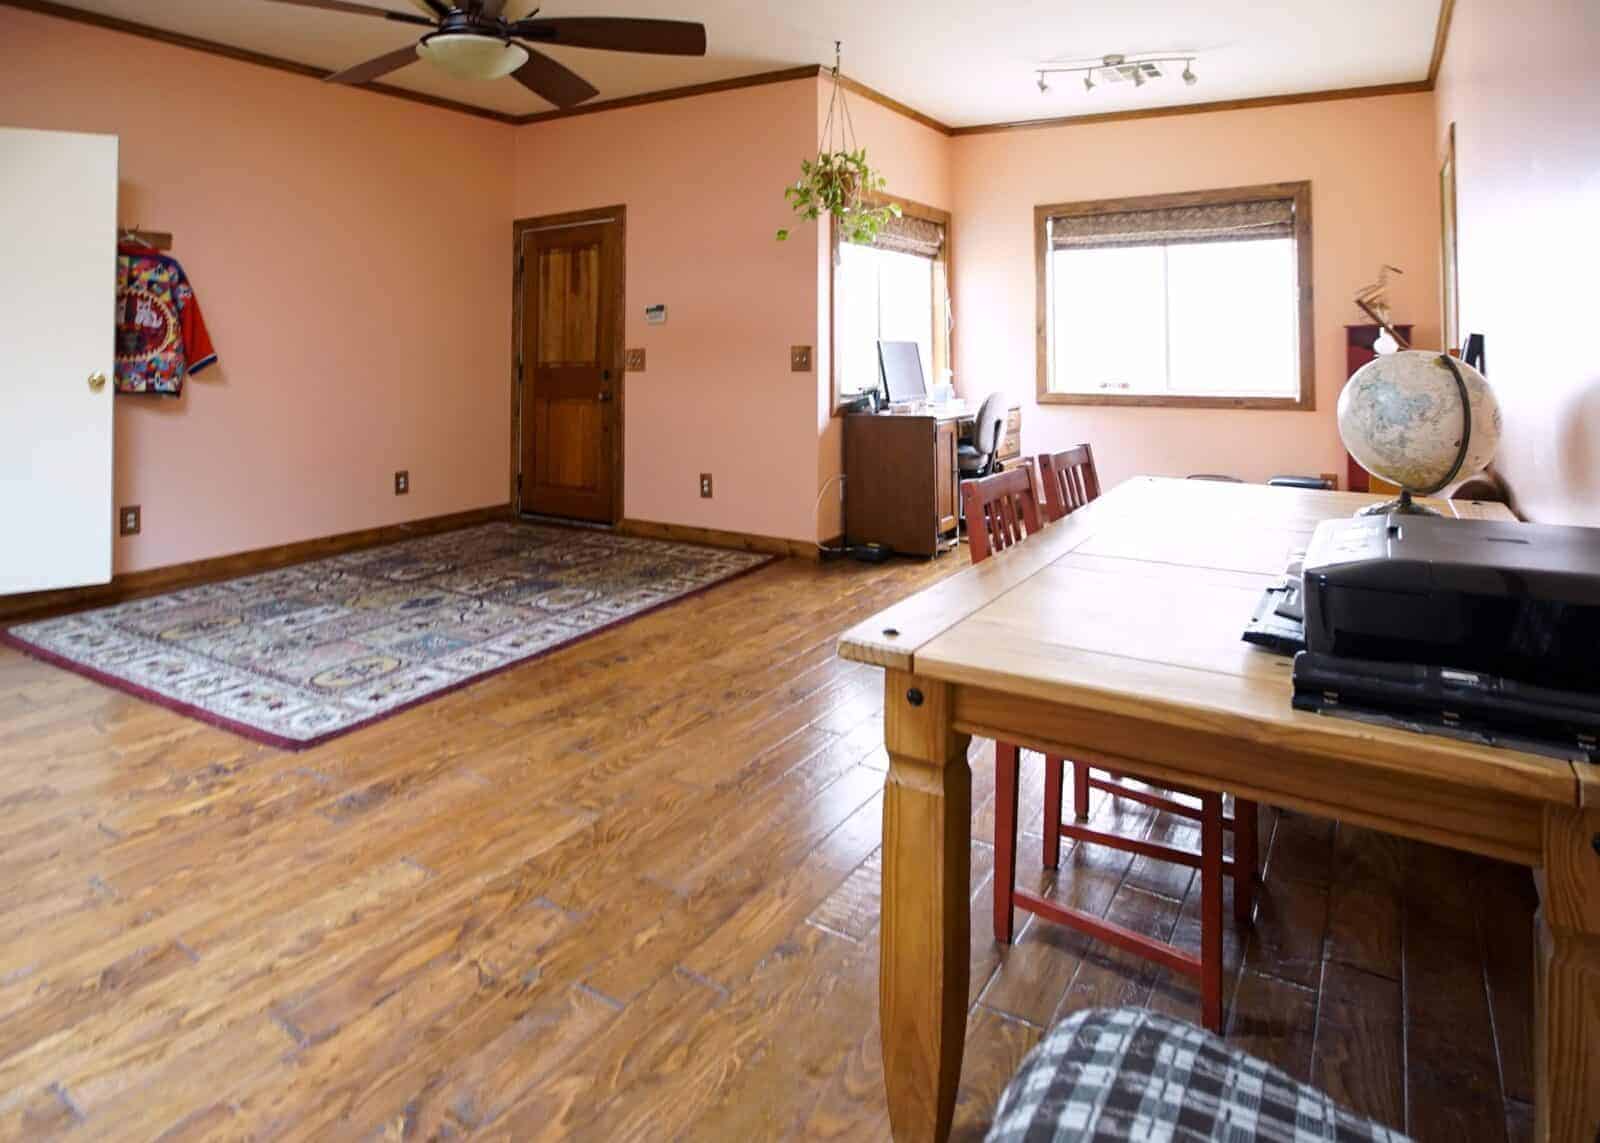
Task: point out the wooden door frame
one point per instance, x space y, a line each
520 229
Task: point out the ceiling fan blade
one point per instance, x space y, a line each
360 10
493 8
372 69
553 81
617 34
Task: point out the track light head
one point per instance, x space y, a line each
1088 81
1189 77
1138 75
1044 87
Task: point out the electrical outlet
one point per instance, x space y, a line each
800 359
128 520
402 482
635 361
705 486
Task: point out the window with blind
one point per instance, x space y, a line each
896 289
1198 299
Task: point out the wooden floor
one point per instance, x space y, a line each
630 891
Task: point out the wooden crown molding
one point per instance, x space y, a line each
761 79
1441 37
241 55
1255 102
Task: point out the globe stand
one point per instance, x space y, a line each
1404 505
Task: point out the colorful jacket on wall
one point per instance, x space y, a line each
161 337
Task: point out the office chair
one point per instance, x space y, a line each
988 434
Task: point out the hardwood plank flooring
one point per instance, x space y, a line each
631 891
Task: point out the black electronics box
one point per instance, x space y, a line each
1516 601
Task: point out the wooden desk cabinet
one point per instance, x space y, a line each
901 483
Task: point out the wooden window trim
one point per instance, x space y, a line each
912 209
1300 192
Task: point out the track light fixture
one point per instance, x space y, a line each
1137 70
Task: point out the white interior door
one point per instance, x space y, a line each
58 300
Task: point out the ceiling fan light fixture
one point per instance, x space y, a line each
472 55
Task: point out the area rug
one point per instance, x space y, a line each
297 656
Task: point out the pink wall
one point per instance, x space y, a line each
703 183
1374 200
916 162
1519 83
352 342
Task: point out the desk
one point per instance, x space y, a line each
1040 646
902 488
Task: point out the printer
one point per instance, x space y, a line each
1485 629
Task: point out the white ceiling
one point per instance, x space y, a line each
963 63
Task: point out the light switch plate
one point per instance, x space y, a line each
635 361
705 486
128 520
402 483
800 359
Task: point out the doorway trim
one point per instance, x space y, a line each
520 229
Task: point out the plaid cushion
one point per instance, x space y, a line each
1107 1074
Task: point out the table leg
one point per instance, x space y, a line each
923 961
1567 979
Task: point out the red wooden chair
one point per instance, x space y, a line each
1070 482
1000 511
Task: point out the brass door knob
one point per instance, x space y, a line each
97 381
605 395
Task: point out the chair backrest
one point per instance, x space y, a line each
1000 511
1070 480
989 427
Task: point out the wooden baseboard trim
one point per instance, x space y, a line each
717 538
134 585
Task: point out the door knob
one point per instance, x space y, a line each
605 396
97 381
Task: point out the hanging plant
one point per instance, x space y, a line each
839 181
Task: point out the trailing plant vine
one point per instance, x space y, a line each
840 182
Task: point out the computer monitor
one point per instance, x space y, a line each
900 363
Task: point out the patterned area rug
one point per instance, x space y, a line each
295 657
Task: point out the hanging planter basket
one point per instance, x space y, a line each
840 182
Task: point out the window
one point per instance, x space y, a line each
893 290
1196 299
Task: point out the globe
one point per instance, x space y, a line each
1402 418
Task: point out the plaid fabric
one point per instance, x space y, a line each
1125 1074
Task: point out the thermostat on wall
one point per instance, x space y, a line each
655 315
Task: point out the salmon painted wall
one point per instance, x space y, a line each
1528 198
352 343
1374 200
703 183
916 162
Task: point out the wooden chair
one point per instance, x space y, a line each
1000 511
1070 481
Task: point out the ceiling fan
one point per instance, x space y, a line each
473 39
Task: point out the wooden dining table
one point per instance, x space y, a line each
1113 638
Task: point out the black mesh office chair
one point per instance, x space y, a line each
988 435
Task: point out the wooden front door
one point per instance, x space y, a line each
571 360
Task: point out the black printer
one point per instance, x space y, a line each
1485 629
